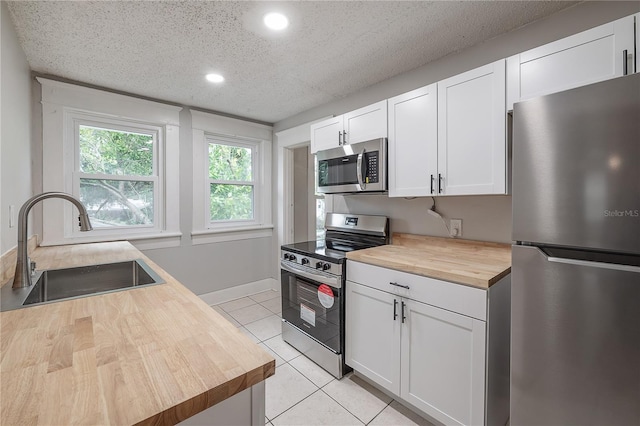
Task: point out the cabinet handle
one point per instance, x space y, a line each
432 184
400 285
344 137
339 137
402 309
395 309
439 183
625 62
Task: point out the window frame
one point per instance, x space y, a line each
206 126
255 174
156 177
65 107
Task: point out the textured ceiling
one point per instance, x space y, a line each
330 50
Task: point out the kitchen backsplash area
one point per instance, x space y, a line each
485 217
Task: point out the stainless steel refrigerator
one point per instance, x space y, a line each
575 297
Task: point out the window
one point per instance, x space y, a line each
116 175
120 156
232 181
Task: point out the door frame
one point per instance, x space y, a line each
286 141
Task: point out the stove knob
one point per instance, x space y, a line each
319 265
305 261
326 266
292 257
286 256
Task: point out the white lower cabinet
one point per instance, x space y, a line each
374 344
442 363
427 342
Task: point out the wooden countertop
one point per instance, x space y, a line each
151 355
474 263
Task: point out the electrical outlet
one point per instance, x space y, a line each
455 228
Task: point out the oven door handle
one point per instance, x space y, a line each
361 182
319 277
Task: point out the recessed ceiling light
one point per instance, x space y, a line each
276 21
215 78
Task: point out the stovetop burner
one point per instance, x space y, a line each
344 233
317 249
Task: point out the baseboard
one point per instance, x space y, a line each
239 291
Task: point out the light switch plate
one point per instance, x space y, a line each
455 228
12 216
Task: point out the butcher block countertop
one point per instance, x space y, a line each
474 263
150 355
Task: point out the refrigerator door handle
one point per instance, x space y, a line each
591 264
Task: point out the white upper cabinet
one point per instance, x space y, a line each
472 156
366 123
326 134
413 143
594 55
361 125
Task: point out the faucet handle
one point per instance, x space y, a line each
32 267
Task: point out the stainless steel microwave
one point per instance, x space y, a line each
358 167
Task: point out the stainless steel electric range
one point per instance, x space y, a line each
313 275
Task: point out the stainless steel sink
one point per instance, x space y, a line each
61 284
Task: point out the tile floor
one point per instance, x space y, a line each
301 393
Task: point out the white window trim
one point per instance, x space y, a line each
208 128
62 104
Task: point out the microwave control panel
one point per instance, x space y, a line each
371 175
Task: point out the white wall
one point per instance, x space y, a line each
484 217
15 122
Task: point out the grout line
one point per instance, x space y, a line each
386 406
312 393
353 414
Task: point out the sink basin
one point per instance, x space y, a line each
61 284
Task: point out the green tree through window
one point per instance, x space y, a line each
231 182
116 176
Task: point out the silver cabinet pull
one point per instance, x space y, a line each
395 309
339 137
402 309
344 137
400 285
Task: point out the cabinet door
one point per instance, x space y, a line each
413 143
366 123
472 132
594 55
443 364
326 134
372 335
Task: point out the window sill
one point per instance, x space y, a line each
218 235
140 241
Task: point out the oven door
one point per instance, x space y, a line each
313 304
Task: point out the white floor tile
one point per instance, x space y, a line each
274 305
265 295
226 316
234 305
397 414
360 398
250 314
311 371
279 361
265 328
318 409
249 334
282 348
285 389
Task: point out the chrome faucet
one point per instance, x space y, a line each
22 277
